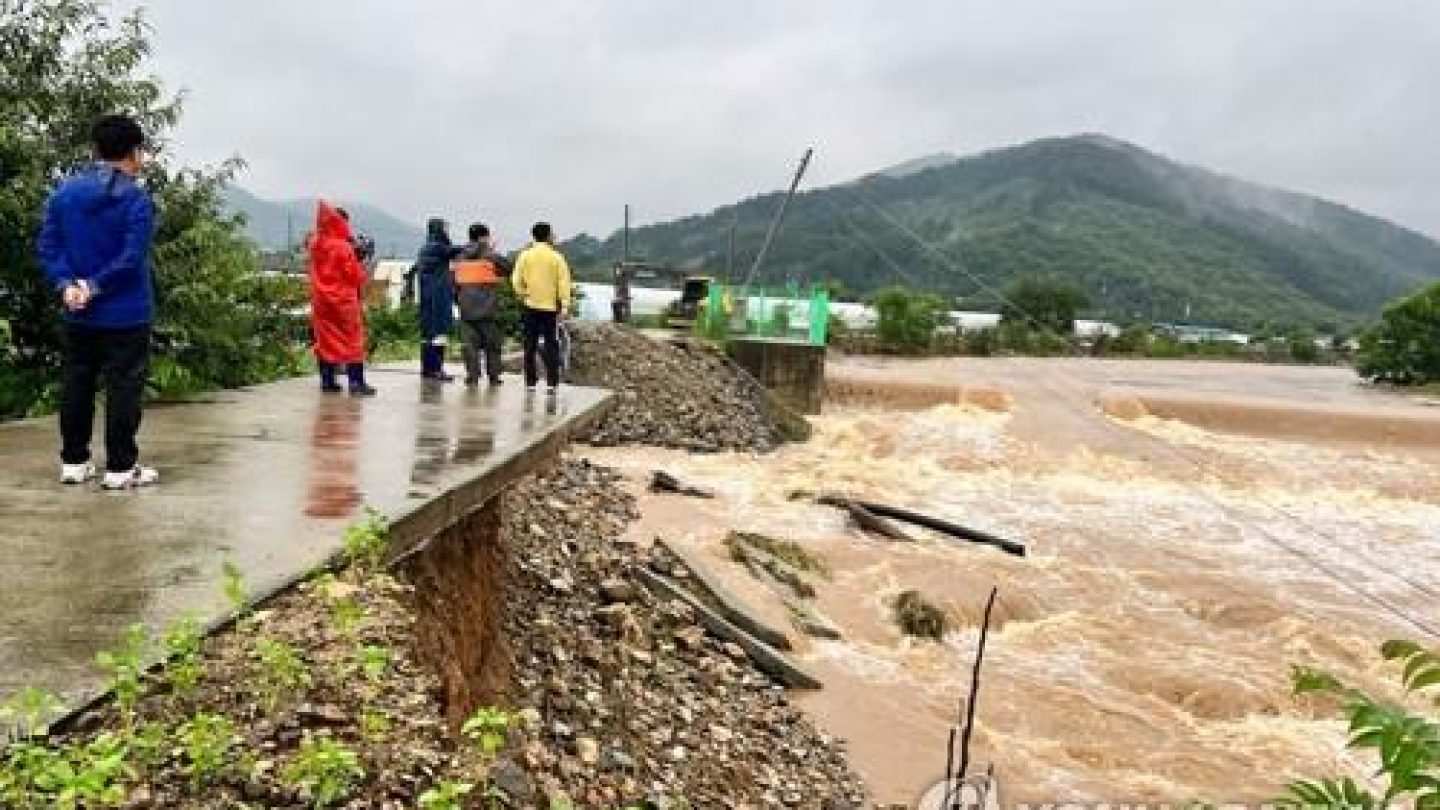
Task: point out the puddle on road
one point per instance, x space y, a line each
1142 652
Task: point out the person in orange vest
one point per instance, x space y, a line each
479 272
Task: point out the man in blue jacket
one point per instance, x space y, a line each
94 247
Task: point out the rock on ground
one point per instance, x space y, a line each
685 396
626 698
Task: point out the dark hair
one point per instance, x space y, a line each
542 232
478 231
116 137
345 215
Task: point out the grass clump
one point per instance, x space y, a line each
787 551
918 617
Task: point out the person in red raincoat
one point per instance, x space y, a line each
337 287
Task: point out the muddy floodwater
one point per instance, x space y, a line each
1195 529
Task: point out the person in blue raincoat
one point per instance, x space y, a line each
437 298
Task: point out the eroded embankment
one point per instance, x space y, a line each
352 690
458 596
628 698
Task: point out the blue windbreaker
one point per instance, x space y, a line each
98 227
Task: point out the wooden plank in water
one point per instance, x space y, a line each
728 604
769 660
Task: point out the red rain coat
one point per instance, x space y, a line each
337 286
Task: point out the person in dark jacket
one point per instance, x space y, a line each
94 247
437 299
478 276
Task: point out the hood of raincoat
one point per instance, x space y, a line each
435 231
328 222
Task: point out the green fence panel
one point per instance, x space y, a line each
784 313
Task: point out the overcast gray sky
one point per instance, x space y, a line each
566 109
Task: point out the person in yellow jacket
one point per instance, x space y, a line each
542 283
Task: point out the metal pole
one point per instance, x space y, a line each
779 216
625 239
730 256
975 687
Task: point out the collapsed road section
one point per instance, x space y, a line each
491 642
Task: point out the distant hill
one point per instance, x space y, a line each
920 164
1146 238
274 225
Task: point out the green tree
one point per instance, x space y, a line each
1405 346
906 320
1044 302
1303 346
63 63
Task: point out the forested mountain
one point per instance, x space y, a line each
276 225
1146 238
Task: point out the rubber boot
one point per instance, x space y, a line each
358 387
328 385
434 364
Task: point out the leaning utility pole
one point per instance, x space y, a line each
625 237
779 216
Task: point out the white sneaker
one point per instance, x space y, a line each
133 479
76 473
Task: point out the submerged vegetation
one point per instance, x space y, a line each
917 616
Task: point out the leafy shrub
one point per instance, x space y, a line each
446 796
207 740
367 540
982 342
125 666
283 671
1406 743
1404 347
392 333
184 667
325 769
1045 303
220 323
488 729
905 320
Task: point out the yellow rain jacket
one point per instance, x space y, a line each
542 279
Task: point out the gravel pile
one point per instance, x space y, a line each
686 396
624 698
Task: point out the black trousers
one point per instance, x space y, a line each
538 326
480 338
122 358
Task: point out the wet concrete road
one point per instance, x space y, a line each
267 477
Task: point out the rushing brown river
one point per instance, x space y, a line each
1194 530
